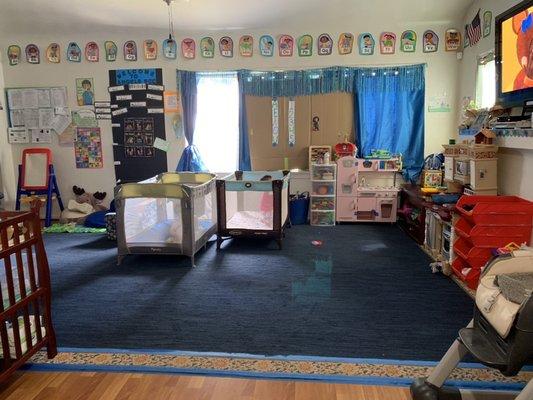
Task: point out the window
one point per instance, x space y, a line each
217 121
486 81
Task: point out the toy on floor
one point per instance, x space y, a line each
94 199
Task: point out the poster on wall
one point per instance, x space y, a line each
246 46
130 51
286 46
225 46
73 52
275 122
452 40
138 137
92 52
266 46
13 54
170 49
53 53
325 45
387 43
110 51
487 23
188 48
32 54
305 46
150 49
88 148
207 47
85 91
408 42
430 42
366 44
345 43
291 122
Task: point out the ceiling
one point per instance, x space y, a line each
20 17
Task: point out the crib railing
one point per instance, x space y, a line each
25 304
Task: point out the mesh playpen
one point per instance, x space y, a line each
172 213
253 204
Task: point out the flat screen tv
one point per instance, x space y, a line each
514 55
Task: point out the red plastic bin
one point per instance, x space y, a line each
491 235
496 210
468 275
475 257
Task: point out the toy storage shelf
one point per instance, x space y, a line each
323 193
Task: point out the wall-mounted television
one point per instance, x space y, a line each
514 55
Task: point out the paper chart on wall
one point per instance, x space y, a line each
43 98
46 116
41 135
59 97
60 123
16 117
31 117
291 124
30 98
18 135
88 148
84 118
275 122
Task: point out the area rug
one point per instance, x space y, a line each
360 371
71 228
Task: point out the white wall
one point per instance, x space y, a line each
442 75
7 175
514 164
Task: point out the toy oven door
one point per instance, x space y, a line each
366 207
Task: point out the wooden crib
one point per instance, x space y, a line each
25 314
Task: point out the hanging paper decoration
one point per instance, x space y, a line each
130 51
13 54
92 52
150 49
110 51
246 46
387 43
325 45
452 40
188 48
207 47
345 43
487 23
286 45
305 46
73 52
170 48
366 44
32 54
266 46
275 122
431 42
408 42
225 46
53 53
291 124
466 39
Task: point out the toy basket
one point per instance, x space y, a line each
496 210
475 257
490 235
467 274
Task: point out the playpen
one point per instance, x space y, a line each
172 213
253 204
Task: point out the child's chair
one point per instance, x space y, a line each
37 180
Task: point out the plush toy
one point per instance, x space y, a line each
94 199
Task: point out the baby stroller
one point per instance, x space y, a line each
500 334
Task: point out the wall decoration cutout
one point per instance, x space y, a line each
130 51
110 51
466 39
286 46
305 46
266 46
73 52
366 44
452 40
487 23
85 91
88 148
170 49
345 43
32 54
92 52
188 48
150 49
225 45
430 41
13 54
275 122
315 123
325 45
291 122
408 42
207 47
53 53
246 46
387 43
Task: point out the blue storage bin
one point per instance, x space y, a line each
299 208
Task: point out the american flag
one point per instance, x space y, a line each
474 30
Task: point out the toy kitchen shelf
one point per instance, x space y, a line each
323 190
366 189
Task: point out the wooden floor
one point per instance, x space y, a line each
115 386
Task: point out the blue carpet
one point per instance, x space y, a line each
366 293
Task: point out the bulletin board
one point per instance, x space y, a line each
138 121
35 112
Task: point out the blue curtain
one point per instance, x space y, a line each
190 158
244 146
389 110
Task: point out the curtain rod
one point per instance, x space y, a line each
306 68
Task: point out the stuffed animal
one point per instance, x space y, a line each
94 199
